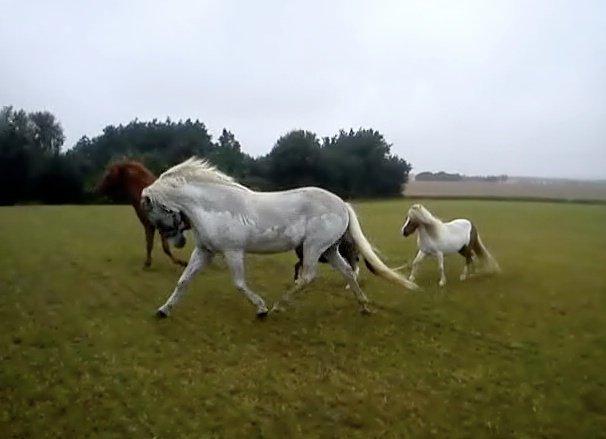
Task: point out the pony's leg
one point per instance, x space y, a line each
297 269
149 241
468 255
467 268
308 273
356 273
415 265
341 265
350 255
440 257
166 249
198 260
465 272
235 261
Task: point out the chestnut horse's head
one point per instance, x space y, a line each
125 180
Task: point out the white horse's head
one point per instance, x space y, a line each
160 200
417 216
170 222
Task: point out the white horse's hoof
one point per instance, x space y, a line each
463 277
262 312
442 283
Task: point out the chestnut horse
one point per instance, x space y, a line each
125 181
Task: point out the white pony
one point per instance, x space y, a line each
231 219
437 238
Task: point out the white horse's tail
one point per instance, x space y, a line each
370 257
480 249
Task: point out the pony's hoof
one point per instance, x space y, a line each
463 277
262 313
146 264
442 283
277 309
161 314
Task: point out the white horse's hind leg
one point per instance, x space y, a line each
339 264
235 261
198 260
415 265
440 257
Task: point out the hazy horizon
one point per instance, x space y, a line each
478 88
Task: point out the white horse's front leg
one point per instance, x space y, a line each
235 261
415 265
440 257
197 261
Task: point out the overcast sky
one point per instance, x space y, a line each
479 87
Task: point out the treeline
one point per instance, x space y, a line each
33 167
445 176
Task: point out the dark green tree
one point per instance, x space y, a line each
228 156
158 145
294 160
48 134
360 164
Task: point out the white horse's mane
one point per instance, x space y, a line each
197 170
192 171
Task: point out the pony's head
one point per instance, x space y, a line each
417 216
170 222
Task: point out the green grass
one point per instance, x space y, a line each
522 354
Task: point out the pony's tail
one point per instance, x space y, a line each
370 257
480 249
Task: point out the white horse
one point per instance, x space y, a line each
437 239
231 219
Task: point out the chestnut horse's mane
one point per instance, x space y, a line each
135 167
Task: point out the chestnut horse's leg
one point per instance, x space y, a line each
149 238
166 249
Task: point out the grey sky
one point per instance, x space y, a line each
486 87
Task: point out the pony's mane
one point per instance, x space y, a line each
421 214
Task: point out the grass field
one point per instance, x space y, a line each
522 354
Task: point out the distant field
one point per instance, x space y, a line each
521 354
514 188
